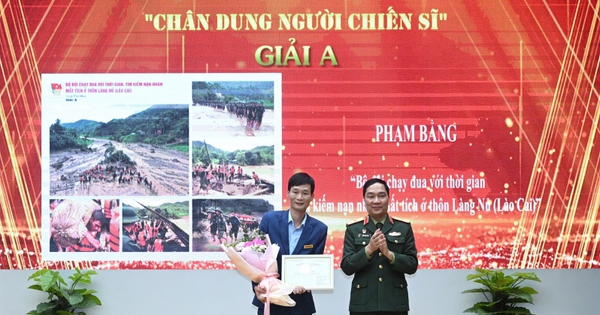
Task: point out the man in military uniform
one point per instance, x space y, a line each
235 223
379 250
221 225
129 220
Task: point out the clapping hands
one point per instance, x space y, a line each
378 241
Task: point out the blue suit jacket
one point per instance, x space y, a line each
312 241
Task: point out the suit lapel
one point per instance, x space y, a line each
371 226
304 236
387 226
285 241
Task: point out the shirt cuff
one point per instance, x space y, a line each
393 258
368 256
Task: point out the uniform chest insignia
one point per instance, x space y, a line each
364 235
308 246
364 230
395 234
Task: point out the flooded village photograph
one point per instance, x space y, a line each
234 134
119 150
243 110
232 172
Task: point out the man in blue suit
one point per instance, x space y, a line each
296 233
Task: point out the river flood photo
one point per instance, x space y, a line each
145 153
232 128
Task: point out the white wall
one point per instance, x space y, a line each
150 292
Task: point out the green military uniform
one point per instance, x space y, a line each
379 287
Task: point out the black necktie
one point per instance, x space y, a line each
379 225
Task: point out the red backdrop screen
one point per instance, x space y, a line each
482 116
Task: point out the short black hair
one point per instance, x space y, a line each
373 181
301 178
97 215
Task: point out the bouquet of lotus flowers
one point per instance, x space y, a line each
256 258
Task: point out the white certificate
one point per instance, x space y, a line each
313 272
